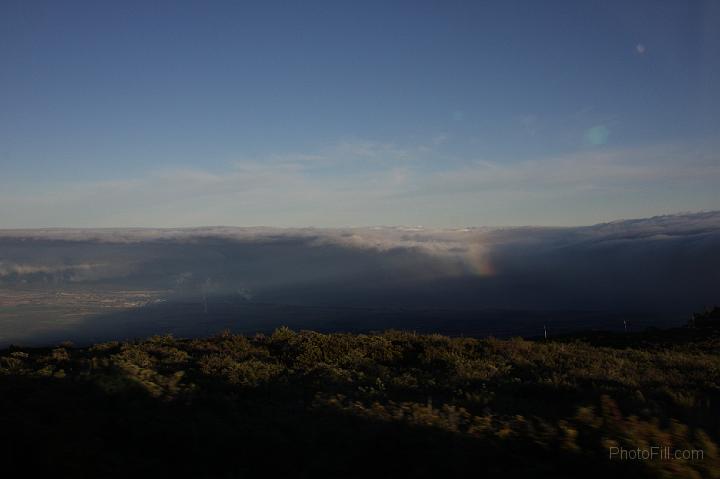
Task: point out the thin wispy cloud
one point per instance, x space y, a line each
350 183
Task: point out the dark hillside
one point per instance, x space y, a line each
396 404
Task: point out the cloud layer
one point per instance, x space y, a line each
661 263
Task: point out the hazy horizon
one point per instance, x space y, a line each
364 226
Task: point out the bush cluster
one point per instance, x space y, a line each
334 404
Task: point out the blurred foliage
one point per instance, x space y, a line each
395 404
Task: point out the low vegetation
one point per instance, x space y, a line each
395 404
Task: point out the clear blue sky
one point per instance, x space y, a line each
356 113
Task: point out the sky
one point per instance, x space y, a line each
334 114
